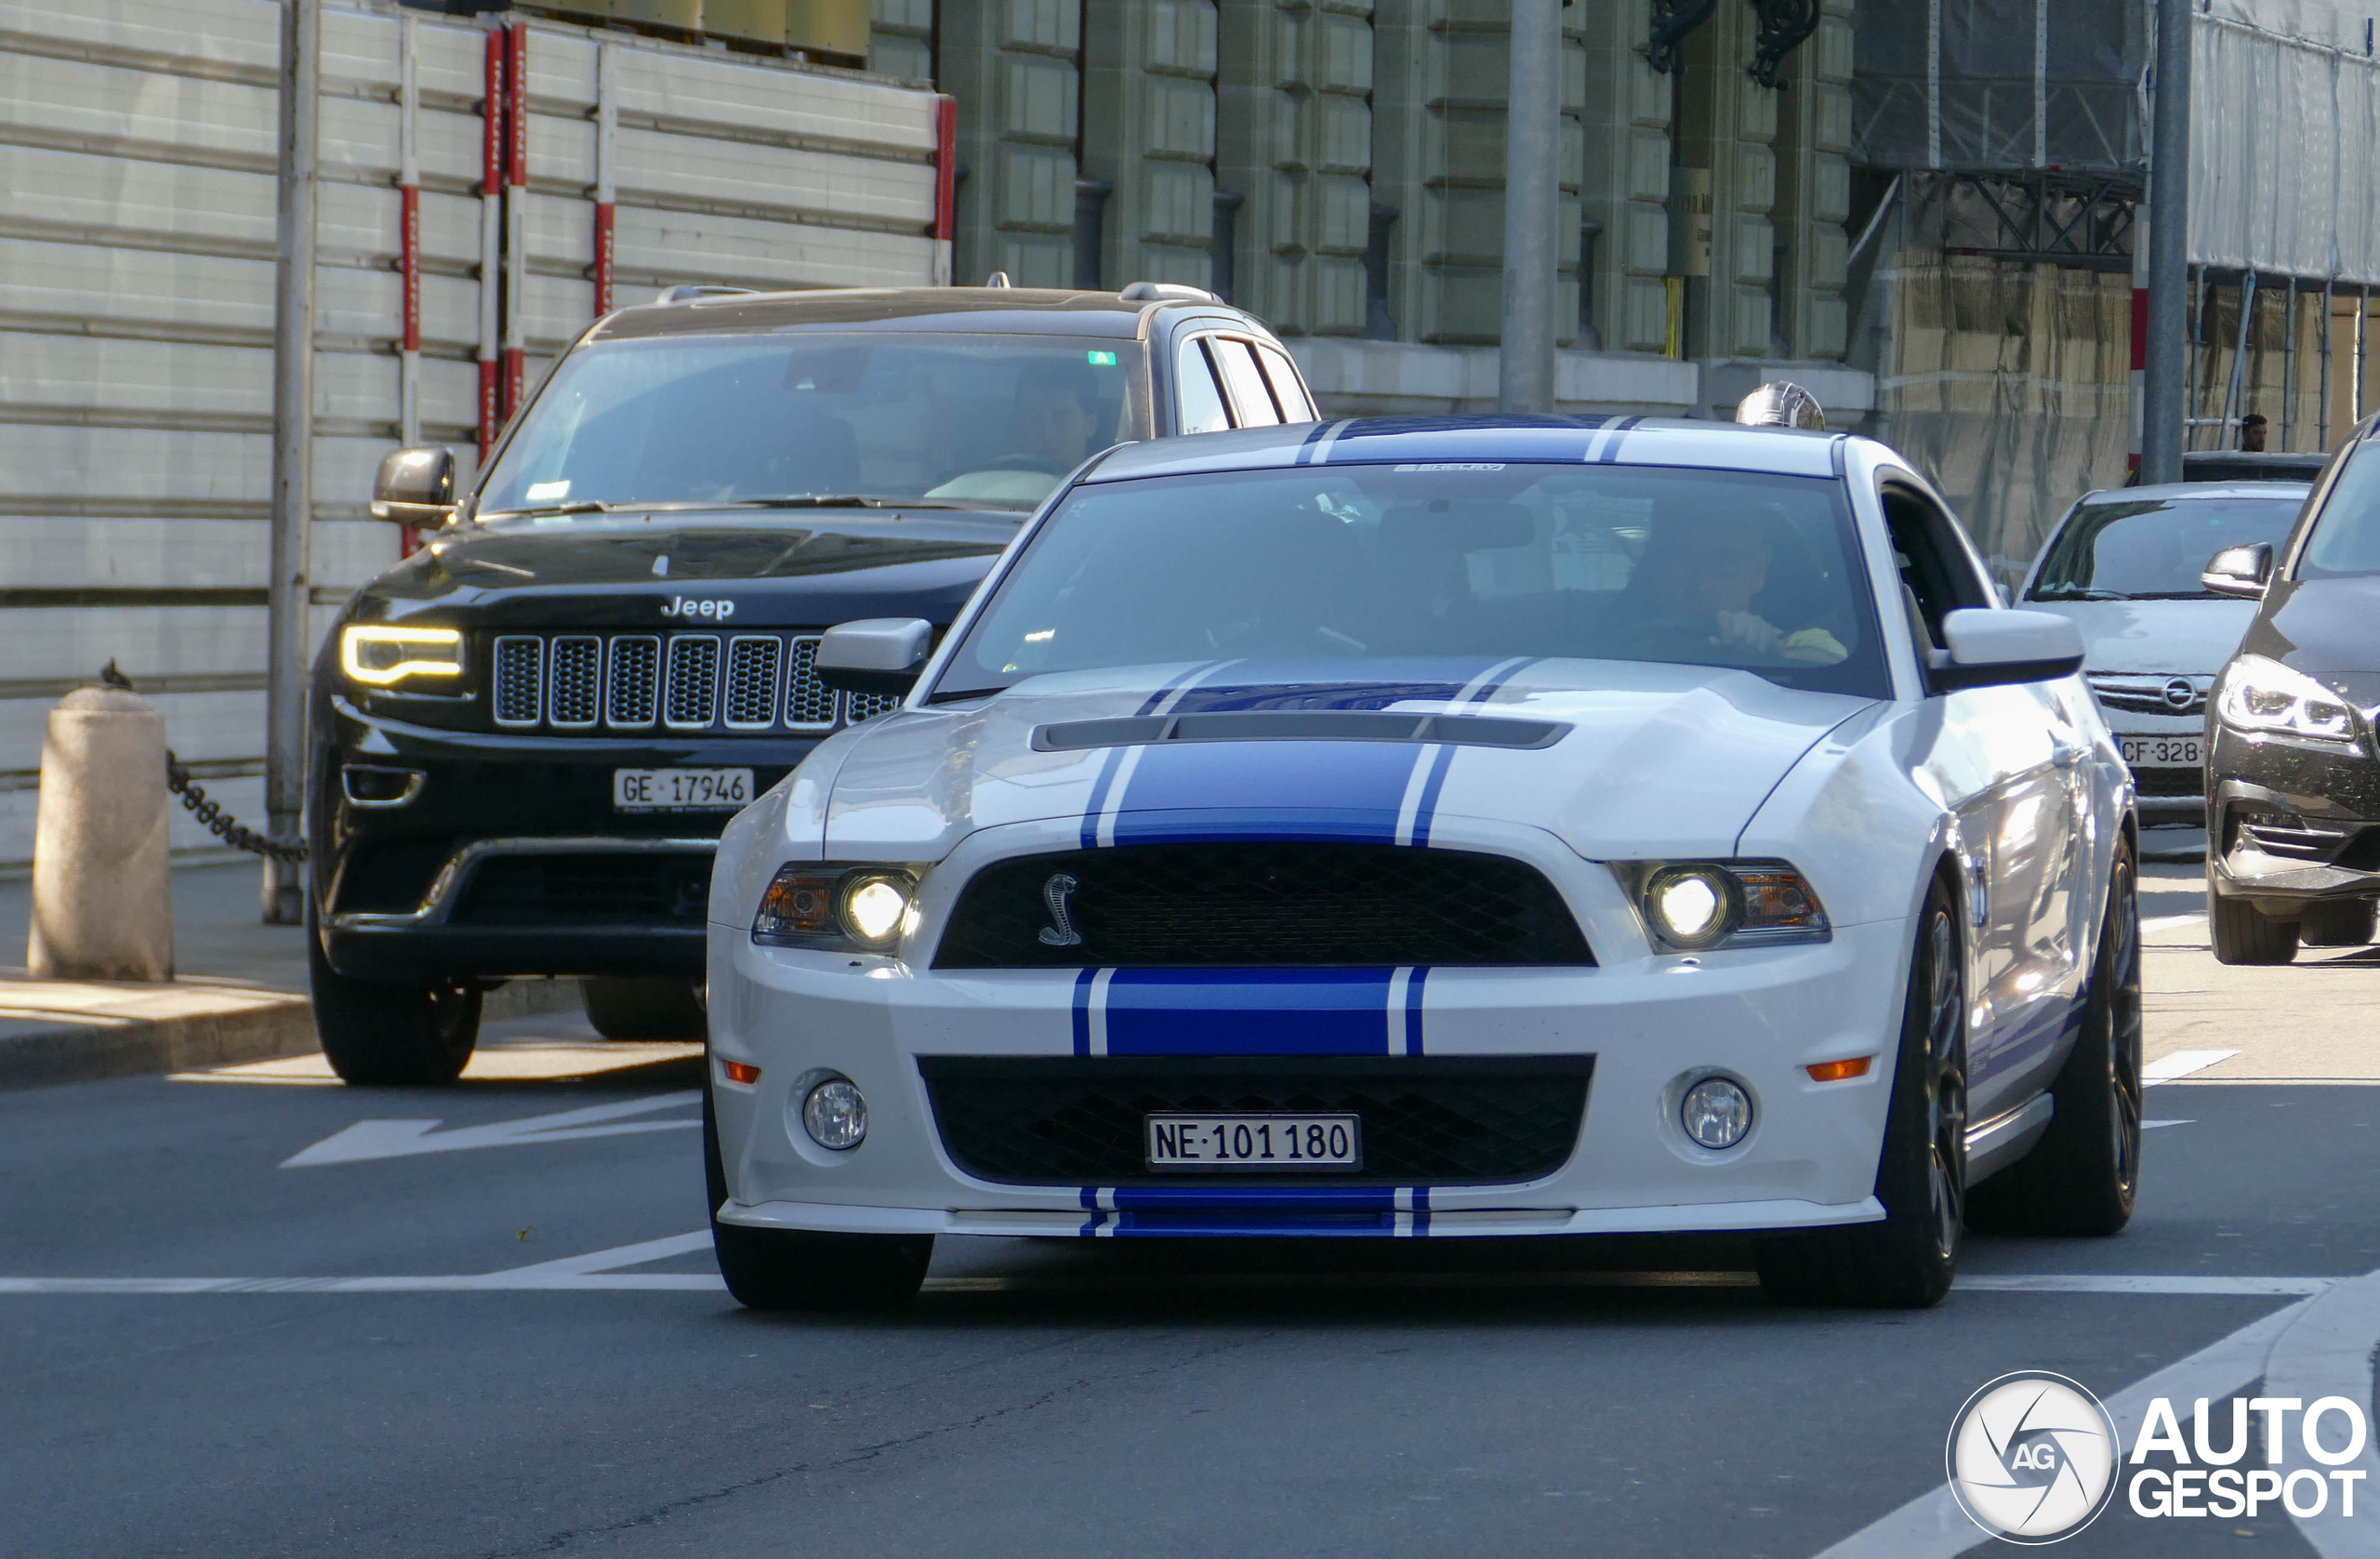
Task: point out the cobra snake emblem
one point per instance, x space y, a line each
1059 932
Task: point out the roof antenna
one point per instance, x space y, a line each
997 279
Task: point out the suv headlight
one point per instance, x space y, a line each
2257 694
843 909
1691 905
380 654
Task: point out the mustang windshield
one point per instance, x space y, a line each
1610 562
2155 549
983 421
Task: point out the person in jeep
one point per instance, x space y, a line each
528 736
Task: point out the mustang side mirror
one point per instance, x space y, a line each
875 655
416 487
1998 649
2240 571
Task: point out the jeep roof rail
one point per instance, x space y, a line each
1167 292
688 292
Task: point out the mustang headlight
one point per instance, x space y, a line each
380 654
1694 905
866 908
2263 695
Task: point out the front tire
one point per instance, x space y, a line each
2336 923
2244 934
2082 1177
380 1033
787 1269
1907 1261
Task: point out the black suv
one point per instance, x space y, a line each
528 736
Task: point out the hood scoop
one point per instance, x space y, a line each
1299 725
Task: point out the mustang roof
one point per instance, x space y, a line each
1621 441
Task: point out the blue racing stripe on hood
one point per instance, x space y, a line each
1355 789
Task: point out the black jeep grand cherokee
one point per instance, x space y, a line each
528 736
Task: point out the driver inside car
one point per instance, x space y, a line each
1697 584
1057 417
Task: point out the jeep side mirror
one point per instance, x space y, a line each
875 655
2240 571
2001 648
416 487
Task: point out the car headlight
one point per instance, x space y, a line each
1694 905
2257 694
380 654
867 908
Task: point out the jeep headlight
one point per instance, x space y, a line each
2260 696
381 655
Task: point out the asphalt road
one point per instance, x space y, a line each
387 1396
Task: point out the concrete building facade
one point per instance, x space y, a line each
1337 165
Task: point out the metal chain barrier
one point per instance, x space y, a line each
219 822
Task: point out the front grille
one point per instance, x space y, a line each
1427 1120
2156 784
573 683
1260 904
2151 694
586 890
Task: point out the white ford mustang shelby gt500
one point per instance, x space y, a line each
1443 828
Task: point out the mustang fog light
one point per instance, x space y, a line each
835 1115
1716 1113
1692 906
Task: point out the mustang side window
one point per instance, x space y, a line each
1936 575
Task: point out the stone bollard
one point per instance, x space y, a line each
104 890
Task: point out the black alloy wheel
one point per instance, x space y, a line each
2082 1176
788 1269
1907 1259
380 1033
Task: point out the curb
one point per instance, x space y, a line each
200 1026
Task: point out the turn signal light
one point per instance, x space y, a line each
740 1072
1839 1071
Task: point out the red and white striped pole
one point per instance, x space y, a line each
491 235
516 212
607 135
408 257
945 186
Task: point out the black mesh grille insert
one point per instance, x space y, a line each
690 699
1427 1120
2166 783
577 672
590 890
1262 905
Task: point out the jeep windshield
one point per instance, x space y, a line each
816 418
1737 569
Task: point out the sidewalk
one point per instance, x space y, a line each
240 997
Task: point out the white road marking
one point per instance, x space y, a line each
2327 1352
2152 1125
2172 922
2118 1283
1932 1525
398 1139
2181 1064
617 1256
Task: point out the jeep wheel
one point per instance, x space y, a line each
648 1008
378 1034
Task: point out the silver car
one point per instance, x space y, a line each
2125 566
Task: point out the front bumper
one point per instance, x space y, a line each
407 891
2291 823
1652 1025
